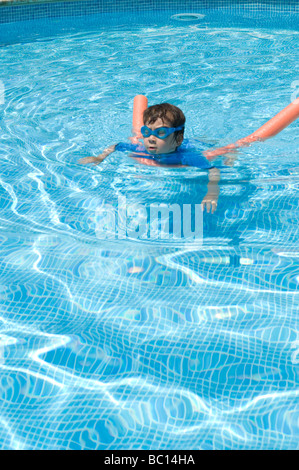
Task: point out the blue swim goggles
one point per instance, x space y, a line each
161 132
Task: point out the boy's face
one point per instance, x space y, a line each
156 146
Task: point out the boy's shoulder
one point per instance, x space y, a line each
191 153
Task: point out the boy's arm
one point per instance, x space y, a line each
99 158
211 198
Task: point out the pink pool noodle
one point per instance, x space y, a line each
269 129
139 106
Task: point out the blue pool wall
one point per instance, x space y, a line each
22 10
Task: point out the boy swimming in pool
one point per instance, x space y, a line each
164 145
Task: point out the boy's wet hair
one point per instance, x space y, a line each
168 113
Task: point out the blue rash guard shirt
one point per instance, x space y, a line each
186 154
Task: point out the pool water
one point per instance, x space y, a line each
147 342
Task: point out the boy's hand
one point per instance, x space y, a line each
95 160
209 203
